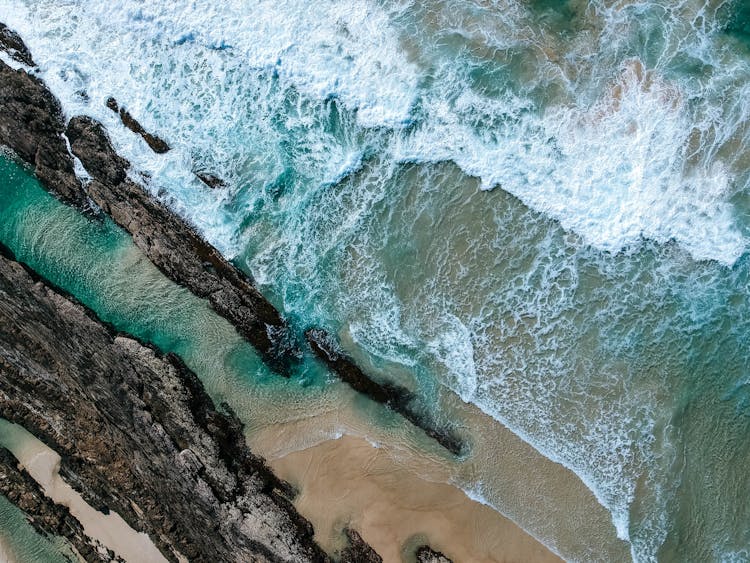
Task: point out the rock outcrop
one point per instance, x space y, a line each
358 551
137 433
12 44
157 144
47 518
395 398
425 554
32 124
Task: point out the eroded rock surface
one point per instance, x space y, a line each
157 144
425 554
43 514
137 433
12 44
31 123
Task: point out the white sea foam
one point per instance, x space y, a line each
621 152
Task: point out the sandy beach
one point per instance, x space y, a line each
43 464
339 478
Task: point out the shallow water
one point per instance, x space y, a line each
20 543
99 264
594 301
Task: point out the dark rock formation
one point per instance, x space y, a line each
31 123
210 180
168 241
396 398
157 144
47 518
12 44
358 551
176 249
137 433
427 555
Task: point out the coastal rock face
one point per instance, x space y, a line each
358 551
31 123
44 515
427 555
157 144
12 44
168 241
137 433
175 248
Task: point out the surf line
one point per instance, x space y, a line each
34 127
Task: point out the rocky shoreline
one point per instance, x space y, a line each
33 125
48 518
135 429
137 433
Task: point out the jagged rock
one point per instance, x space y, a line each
31 123
11 43
102 162
168 241
425 554
210 180
47 517
358 551
176 249
157 144
137 429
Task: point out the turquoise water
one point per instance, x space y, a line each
24 543
541 207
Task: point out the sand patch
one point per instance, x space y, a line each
43 464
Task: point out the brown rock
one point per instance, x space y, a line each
157 144
358 551
31 123
425 554
44 515
136 429
11 43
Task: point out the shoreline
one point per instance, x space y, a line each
43 464
163 237
33 125
403 512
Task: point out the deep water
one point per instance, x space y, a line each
542 207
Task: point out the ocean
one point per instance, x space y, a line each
540 208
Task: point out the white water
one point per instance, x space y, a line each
586 129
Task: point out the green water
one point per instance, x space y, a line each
98 263
24 543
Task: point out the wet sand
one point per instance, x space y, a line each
43 464
6 554
385 482
348 482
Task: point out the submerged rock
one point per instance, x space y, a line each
137 432
157 144
210 180
394 397
358 551
425 554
